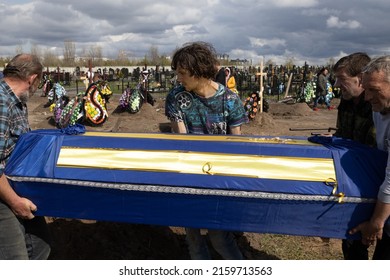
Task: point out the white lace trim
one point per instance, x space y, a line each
197 191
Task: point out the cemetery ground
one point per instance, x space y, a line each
92 240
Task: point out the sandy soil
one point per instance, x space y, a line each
78 239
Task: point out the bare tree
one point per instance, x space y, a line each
290 62
35 50
154 56
50 59
95 54
19 49
269 62
122 58
69 53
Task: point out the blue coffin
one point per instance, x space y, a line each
239 183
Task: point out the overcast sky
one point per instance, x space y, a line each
304 30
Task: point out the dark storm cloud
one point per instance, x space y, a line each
304 30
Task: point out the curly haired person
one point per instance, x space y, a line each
199 105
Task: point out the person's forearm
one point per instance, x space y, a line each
7 194
22 207
381 214
236 130
178 127
382 208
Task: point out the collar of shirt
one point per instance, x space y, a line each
11 95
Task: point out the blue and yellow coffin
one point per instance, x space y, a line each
239 183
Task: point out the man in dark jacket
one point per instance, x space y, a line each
221 76
321 89
354 121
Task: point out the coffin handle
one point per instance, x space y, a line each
333 183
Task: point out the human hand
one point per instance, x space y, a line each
370 232
24 208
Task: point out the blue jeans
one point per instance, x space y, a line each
22 239
222 241
321 98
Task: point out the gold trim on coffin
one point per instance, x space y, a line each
271 167
202 137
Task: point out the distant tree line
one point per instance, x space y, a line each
94 55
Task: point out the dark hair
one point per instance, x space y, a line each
199 58
352 64
322 69
22 66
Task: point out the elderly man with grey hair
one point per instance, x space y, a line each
22 235
376 82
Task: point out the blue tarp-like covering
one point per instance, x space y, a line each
240 183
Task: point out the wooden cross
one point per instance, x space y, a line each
261 74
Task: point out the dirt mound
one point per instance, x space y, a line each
261 121
148 119
285 109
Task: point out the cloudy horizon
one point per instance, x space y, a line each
298 30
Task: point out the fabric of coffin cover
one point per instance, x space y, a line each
240 183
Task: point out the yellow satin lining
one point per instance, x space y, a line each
203 137
272 167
